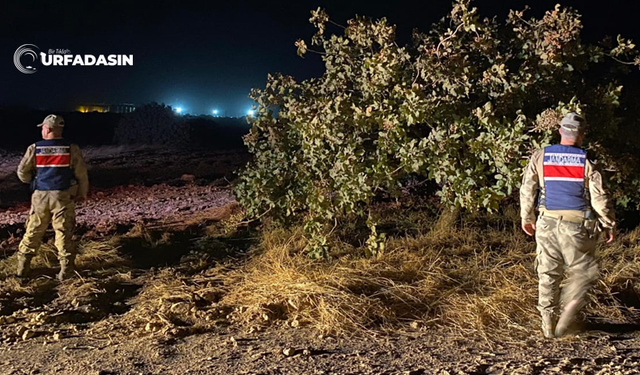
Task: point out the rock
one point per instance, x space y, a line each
56 336
179 332
306 352
211 296
41 317
153 326
21 330
188 178
26 335
233 342
86 308
288 352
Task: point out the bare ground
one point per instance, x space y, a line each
145 222
227 351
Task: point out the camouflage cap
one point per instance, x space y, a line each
573 122
53 121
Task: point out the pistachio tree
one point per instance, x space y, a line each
464 106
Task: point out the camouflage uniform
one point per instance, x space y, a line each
566 239
49 204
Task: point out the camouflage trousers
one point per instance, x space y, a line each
58 208
564 246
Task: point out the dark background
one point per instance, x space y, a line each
206 55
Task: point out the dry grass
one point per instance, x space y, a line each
41 303
468 273
172 303
92 255
471 274
101 255
617 294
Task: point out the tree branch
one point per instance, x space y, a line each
447 38
257 218
336 24
622 62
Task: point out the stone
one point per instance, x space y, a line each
21 330
188 178
26 335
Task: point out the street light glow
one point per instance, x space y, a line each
250 112
179 110
215 111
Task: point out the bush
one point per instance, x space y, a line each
464 106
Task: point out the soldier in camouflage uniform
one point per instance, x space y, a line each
568 188
58 176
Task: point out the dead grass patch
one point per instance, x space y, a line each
471 274
172 303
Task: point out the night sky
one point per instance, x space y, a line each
208 55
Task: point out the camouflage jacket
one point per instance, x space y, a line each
532 182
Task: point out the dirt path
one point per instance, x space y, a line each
130 185
117 166
132 204
226 351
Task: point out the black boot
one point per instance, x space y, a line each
67 267
24 265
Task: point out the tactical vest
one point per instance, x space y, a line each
564 178
53 165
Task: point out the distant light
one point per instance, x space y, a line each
250 113
179 109
215 111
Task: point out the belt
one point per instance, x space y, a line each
569 218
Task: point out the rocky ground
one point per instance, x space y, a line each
131 204
128 186
160 205
299 351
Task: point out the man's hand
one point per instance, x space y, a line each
529 228
610 234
